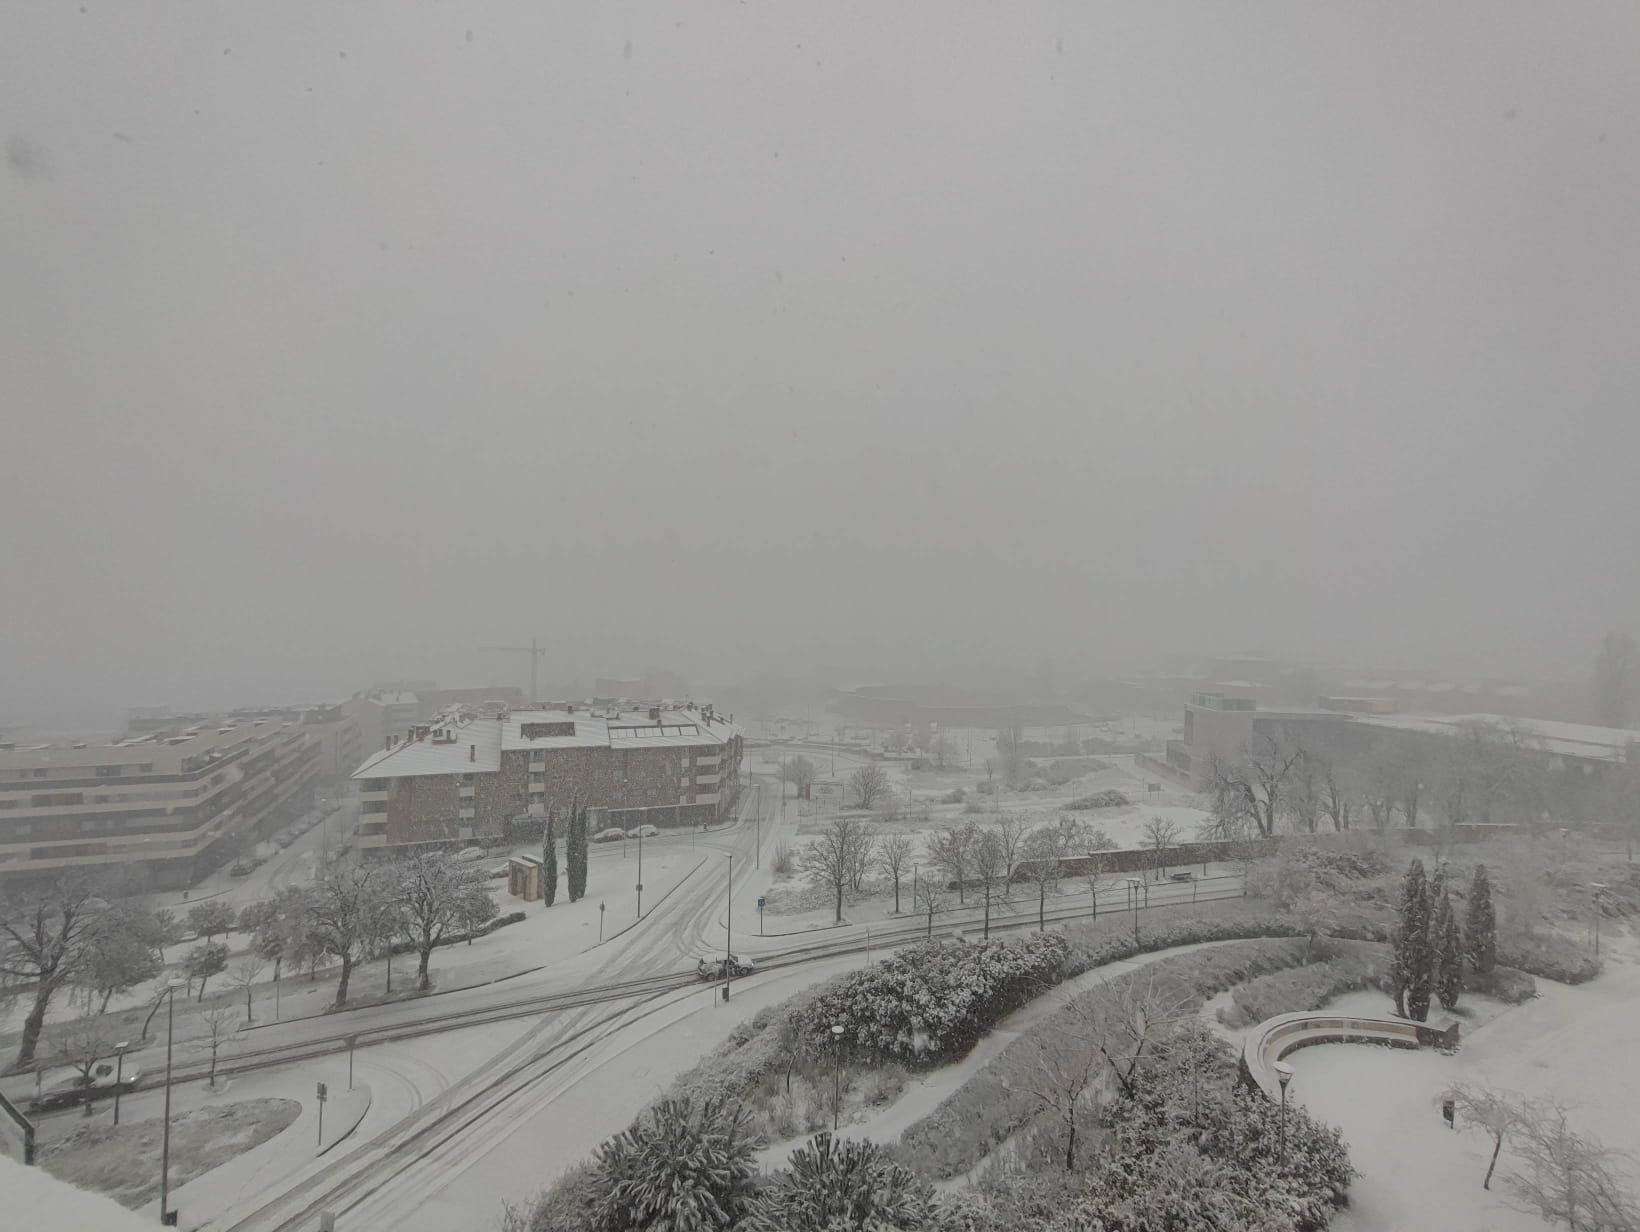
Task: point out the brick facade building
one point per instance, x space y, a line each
462 778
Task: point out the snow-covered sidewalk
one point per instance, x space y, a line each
1578 1044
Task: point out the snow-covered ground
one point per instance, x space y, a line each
1580 1044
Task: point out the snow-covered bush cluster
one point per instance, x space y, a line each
1109 798
928 1003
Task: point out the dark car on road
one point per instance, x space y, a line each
709 969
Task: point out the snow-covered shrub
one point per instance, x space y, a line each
1356 965
1109 798
833 1184
928 1003
681 1169
1001 1100
1551 956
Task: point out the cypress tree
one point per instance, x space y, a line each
1411 963
1448 947
549 863
1481 927
575 852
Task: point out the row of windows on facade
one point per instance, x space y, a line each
78 772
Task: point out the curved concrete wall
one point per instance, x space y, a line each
1274 1038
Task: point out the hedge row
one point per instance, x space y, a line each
928 1003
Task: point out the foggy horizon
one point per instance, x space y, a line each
342 342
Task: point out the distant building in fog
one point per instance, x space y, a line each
463 777
170 803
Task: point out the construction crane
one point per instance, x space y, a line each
534 651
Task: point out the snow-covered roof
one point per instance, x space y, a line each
1563 739
474 745
454 747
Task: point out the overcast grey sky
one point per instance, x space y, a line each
339 339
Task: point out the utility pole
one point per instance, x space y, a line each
534 651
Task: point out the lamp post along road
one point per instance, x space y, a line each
167 1216
729 927
119 1075
1284 1075
640 872
836 1074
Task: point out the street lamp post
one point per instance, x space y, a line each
600 923
1594 902
352 1042
167 1217
119 1075
836 1073
640 872
1284 1075
1134 884
728 926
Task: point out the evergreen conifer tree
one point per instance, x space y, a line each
1448 952
1411 965
1480 933
549 863
575 851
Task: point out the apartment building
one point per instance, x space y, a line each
169 804
341 740
463 777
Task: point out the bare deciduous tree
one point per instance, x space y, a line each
339 913
81 1042
1254 785
1010 832
832 859
1568 1177
867 785
990 864
430 890
245 974
799 772
219 1030
1160 835
943 751
1495 1112
932 899
952 851
44 937
894 853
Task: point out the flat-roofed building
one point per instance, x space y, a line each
463 777
171 804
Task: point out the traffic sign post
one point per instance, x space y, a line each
323 1093
600 923
760 902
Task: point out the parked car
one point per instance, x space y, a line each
1181 876
709 969
499 874
239 869
77 1090
468 854
613 835
643 832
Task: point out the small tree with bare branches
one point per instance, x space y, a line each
1160 835
244 975
832 859
952 851
219 1030
931 898
867 785
894 853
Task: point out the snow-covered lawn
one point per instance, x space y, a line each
1580 1044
